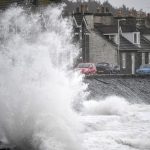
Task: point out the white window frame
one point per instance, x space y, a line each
123 60
135 40
133 62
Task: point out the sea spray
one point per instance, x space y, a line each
111 105
37 86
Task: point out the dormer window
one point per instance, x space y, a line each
135 38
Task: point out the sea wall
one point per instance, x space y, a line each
133 88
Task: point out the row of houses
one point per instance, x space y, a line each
119 40
122 40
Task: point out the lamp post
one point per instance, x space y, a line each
118 48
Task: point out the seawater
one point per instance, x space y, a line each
43 101
113 123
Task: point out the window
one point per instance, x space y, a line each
112 38
135 38
133 62
123 60
143 58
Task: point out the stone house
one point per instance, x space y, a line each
116 40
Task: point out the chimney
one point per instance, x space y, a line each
77 10
130 14
98 9
86 8
148 15
119 13
83 8
147 21
102 9
141 14
107 9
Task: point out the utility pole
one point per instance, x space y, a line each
118 48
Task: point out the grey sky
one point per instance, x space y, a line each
138 4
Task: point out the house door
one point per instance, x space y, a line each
133 63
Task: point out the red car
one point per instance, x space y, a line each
87 68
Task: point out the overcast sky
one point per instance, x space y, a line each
138 4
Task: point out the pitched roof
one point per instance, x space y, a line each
145 43
78 19
103 14
126 45
106 29
144 30
129 28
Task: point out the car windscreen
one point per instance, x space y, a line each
103 64
145 66
84 65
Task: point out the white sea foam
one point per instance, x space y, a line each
116 125
37 88
112 105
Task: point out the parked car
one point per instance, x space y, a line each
115 69
144 69
87 68
103 68
107 68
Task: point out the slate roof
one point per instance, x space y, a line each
78 18
126 45
106 29
129 28
144 30
145 43
103 14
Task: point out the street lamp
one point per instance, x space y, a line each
118 52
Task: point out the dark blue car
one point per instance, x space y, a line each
144 69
